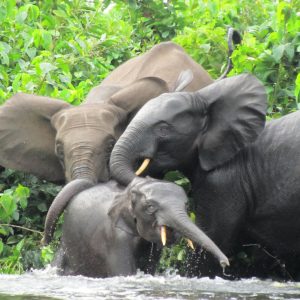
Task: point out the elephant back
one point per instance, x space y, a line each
164 61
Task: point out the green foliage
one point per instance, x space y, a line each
22 214
173 258
63 48
12 201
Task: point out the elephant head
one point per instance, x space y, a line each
55 140
153 209
185 130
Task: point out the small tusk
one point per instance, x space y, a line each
143 167
190 244
163 235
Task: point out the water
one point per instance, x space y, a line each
47 285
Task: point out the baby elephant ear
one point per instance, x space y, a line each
236 109
27 139
120 214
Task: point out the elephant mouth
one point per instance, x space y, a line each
169 236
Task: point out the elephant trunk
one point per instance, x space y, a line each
182 224
59 204
125 155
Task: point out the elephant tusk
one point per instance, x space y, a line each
143 167
163 235
190 244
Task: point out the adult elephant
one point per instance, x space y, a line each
115 223
55 140
244 174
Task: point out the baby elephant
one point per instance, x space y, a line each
105 227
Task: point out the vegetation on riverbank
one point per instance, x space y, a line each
64 48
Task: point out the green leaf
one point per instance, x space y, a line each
8 204
181 255
46 40
14 239
278 52
20 245
22 193
21 16
205 47
46 68
1 246
42 207
4 230
37 37
192 217
4 51
33 12
17 83
290 51
47 254
297 88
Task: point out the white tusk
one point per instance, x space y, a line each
163 235
143 167
190 244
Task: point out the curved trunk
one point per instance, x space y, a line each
125 154
59 204
182 224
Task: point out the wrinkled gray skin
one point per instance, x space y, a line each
105 227
244 177
55 140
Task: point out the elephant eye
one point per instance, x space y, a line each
151 209
162 130
60 151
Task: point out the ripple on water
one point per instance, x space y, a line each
45 283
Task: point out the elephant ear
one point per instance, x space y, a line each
236 109
120 214
27 139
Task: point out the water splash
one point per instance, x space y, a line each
142 286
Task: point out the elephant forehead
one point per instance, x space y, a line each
101 118
165 106
164 190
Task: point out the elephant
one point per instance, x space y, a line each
244 171
166 67
57 141
108 229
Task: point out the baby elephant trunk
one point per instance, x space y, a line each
59 204
182 224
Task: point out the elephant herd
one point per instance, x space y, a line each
162 110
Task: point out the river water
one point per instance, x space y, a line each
47 285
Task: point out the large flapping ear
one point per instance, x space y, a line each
120 214
132 97
236 109
27 139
